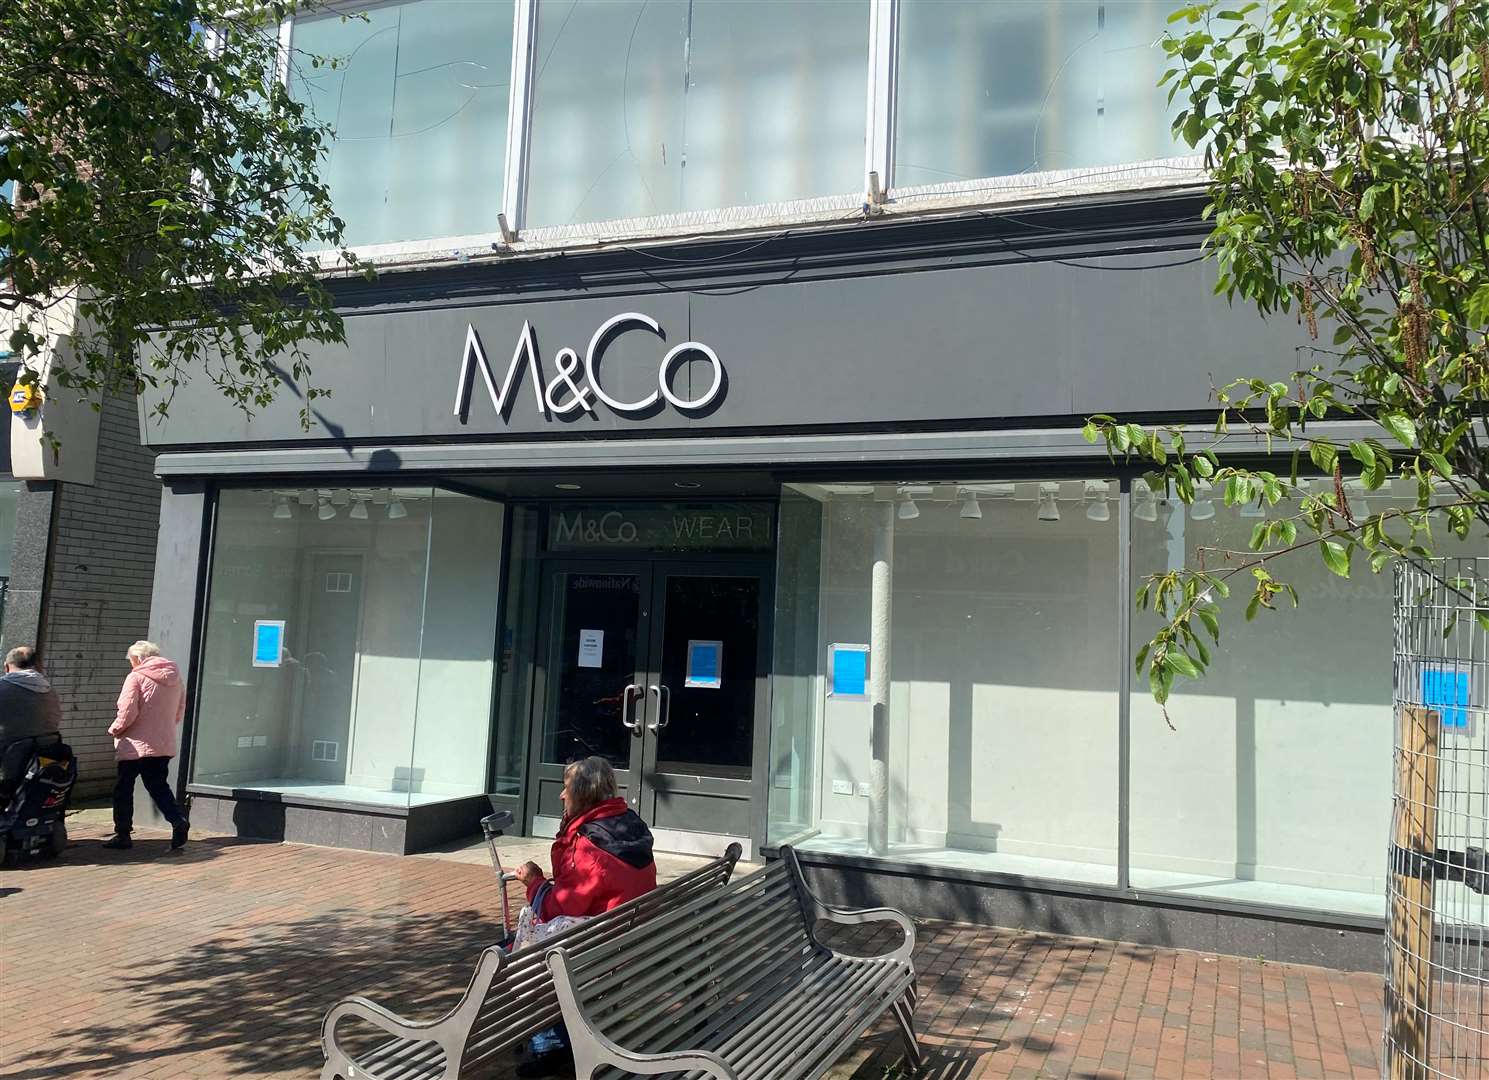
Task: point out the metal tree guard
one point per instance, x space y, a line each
1437 929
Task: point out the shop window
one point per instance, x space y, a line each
419 109
1028 86
651 108
1273 782
1001 739
350 640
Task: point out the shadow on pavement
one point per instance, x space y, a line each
258 994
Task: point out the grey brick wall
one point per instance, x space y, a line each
97 600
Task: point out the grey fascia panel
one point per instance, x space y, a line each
1053 444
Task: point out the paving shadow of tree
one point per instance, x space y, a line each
257 995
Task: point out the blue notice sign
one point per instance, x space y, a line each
1447 692
268 642
848 672
705 663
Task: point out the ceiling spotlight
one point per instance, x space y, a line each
1144 503
1096 507
1253 510
908 511
1202 508
687 485
326 511
396 509
566 487
971 508
1049 510
359 509
282 509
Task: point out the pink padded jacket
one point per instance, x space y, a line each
151 706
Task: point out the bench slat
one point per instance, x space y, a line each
687 957
715 907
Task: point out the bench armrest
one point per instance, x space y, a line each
449 1032
854 916
593 1050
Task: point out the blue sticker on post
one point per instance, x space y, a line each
268 642
705 665
848 672
1447 692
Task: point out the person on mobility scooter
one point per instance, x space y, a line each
37 769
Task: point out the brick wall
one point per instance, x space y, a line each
97 599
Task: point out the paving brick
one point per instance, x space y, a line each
220 961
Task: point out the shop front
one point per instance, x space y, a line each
809 546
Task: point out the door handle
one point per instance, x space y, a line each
664 706
627 698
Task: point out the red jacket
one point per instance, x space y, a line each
601 859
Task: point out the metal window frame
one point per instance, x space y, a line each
519 113
884 48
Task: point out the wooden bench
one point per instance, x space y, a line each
735 984
510 997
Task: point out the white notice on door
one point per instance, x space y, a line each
591 648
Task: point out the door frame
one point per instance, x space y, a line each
654 568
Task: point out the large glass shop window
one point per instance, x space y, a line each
650 107
350 641
1000 745
1272 781
1003 88
418 104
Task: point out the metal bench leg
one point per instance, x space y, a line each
904 1010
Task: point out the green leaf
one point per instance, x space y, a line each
1400 426
1181 663
1362 453
1476 307
1323 455
1336 557
1090 432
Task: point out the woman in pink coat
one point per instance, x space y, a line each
146 734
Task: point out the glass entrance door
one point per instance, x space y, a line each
592 688
707 692
659 667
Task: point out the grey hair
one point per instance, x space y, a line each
591 781
22 657
143 650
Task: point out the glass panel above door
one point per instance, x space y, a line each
661 527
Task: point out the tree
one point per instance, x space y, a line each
166 185
1348 149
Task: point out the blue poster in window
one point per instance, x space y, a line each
1447 692
268 642
705 663
848 672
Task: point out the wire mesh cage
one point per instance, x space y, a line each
1437 930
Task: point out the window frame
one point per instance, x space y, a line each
510 234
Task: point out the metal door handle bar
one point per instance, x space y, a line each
631 691
664 706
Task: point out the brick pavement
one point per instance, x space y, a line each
220 962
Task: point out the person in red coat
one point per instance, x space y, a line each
602 856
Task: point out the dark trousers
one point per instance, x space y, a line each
154 772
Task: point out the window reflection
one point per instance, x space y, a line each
419 108
648 108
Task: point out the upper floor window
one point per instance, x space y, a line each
419 108
648 108
991 89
